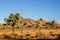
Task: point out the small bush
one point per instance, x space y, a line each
27 34
6 36
17 27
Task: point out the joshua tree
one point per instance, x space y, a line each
18 16
12 19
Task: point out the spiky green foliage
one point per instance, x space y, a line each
12 19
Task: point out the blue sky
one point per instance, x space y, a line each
35 9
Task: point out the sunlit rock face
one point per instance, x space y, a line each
0 25
41 22
54 22
28 22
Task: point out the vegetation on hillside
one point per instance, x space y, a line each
16 22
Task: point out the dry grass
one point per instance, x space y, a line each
47 33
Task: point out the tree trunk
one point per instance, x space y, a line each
13 29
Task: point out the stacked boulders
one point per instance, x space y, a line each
29 23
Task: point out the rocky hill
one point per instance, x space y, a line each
27 28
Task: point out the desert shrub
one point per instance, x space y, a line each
27 34
58 37
17 27
21 36
3 27
13 35
6 36
40 35
0 28
53 35
4 24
